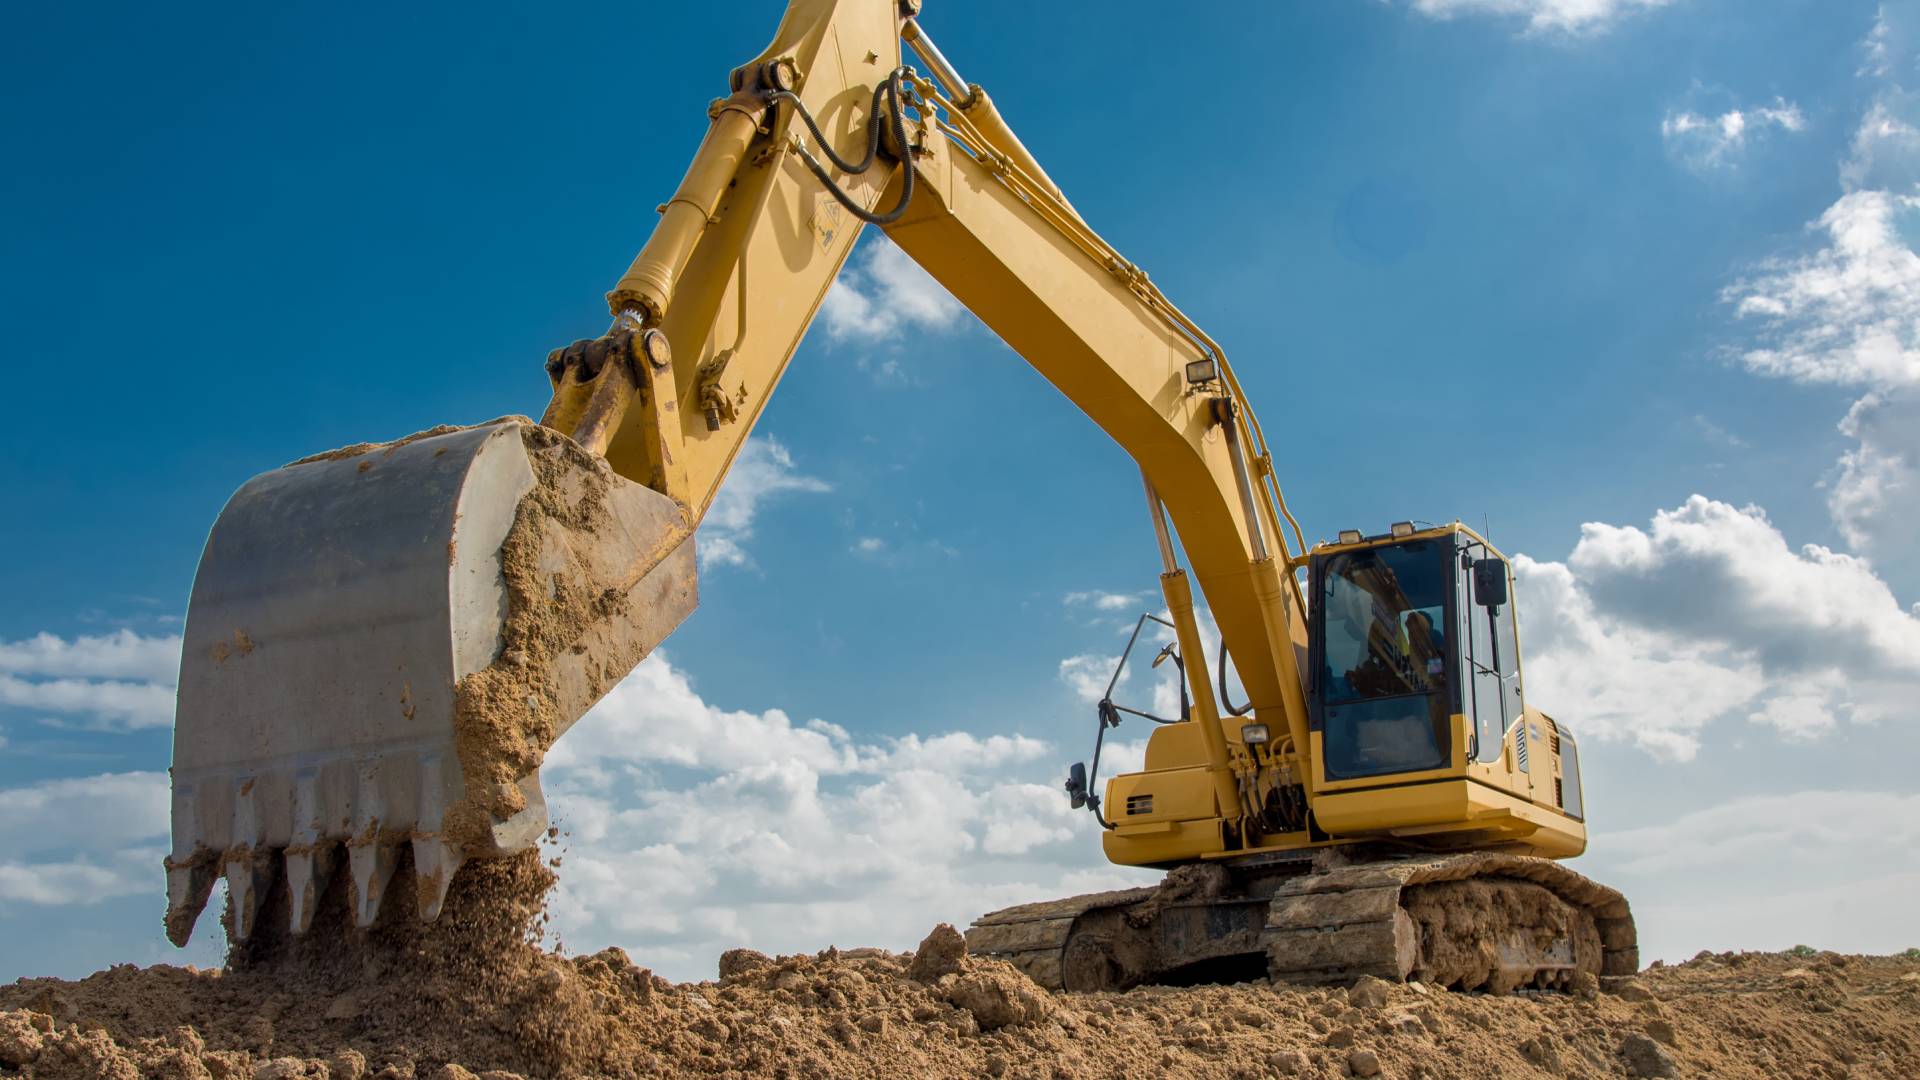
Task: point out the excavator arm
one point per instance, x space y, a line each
383 641
748 246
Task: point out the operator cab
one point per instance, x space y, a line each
1408 631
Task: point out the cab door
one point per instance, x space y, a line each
1492 692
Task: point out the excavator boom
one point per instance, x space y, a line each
365 672
383 641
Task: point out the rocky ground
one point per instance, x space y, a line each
475 997
866 1013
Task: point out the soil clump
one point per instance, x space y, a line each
473 996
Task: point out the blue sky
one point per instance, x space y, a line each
1632 281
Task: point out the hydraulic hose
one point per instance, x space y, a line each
887 93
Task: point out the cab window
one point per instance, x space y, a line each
1386 626
1384 674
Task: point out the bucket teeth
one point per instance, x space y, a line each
188 888
434 864
371 865
248 879
307 873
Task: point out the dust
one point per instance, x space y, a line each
478 998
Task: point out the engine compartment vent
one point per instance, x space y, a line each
1139 804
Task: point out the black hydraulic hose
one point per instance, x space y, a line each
1225 701
880 91
890 93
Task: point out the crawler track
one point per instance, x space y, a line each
1477 921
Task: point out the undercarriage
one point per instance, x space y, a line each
1483 921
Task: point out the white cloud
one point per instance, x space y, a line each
1650 635
1875 500
1805 826
117 681
1886 145
81 840
1097 600
119 655
655 717
761 470
882 295
1568 16
1848 314
1087 675
869 546
786 836
1769 872
1717 435
99 704
1705 142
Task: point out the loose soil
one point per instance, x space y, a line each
473 994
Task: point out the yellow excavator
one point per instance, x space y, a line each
384 640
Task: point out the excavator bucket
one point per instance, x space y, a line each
382 643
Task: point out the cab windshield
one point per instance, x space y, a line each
1385 610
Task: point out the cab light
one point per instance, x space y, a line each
1350 536
1401 528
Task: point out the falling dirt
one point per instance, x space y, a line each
473 994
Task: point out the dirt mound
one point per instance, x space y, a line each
478 999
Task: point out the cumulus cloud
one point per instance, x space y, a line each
880 298
118 681
1849 313
695 828
655 716
1544 16
119 655
762 470
1650 635
1087 675
1712 141
82 840
1875 499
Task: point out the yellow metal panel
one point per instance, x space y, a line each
1182 842
1450 806
1177 795
1175 746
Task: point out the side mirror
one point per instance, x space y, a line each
1489 582
1077 785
